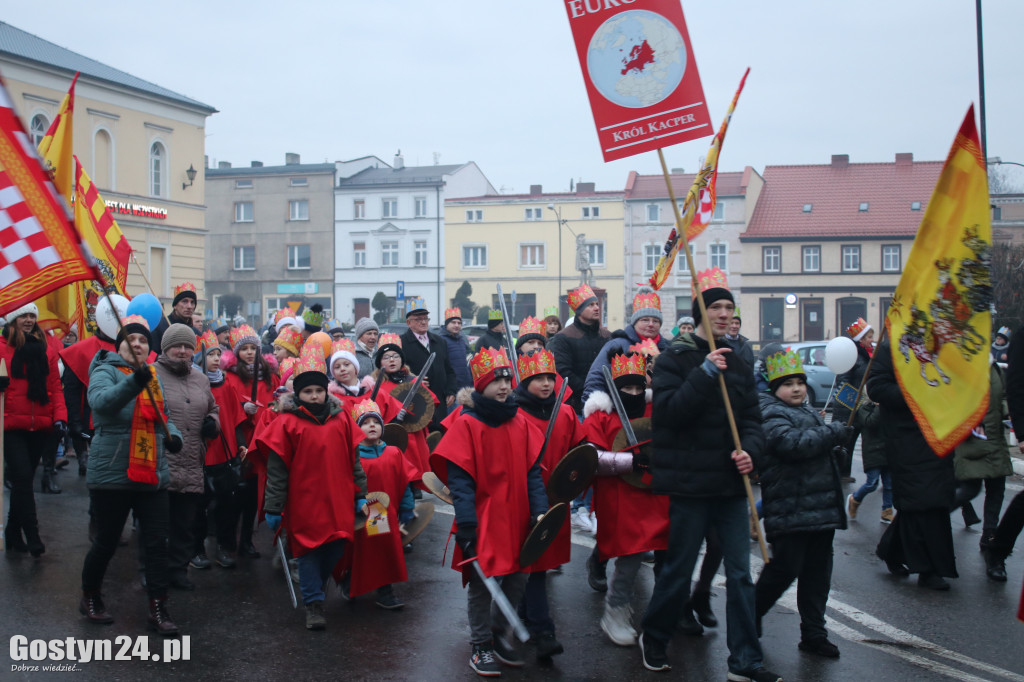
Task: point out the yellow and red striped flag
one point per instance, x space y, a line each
699 205
940 320
56 146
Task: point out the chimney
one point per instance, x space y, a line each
584 188
678 171
256 164
291 159
224 164
399 161
840 160
904 159
536 189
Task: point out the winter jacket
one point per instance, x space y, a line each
921 480
800 482
458 351
989 458
692 440
188 400
441 375
575 348
872 440
365 359
620 340
112 397
490 339
741 346
22 414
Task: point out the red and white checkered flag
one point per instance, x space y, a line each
39 248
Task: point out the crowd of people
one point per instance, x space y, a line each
205 430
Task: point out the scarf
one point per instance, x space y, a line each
534 406
490 411
370 451
142 452
354 390
216 378
634 404
398 377
318 411
30 363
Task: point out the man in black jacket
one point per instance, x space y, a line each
576 346
694 461
418 344
182 307
494 337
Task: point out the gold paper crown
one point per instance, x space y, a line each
494 314
540 361
243 332
486 361
784 364
343 344
367 408
551 311
207 341
647 299
183 287
531 325
389 340
646 347
628 364
712 278
134 319
311 360
578 296
858 329
287 368
290 339
281 314
450 313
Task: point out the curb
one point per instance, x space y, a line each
1018 466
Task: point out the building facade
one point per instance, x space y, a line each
650 218
827 243
137 141
271 237
389 231
534 245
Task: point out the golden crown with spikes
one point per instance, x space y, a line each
784 364
531 325
389 340
287 368
488 360
858 329
207 341
628 364
540 361
579 295
183 287
551 310
646 347
450 313
281 314
311 360
495 314
290 339
712 278
242 332
367 408
647 299
134 319
343 344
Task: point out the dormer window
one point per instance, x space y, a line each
808 207
915 205
863 208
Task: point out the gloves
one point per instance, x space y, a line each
400 417
406 516
465 538
61 427
142 376
641 461
209 428
173 444
840 454
273 521
361 506
250 408
5 383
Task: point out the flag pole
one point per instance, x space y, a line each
145 279
737 444
864 379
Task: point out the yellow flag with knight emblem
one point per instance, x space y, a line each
940 320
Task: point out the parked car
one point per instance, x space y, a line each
819 376
475 331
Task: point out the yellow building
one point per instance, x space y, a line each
137 141
535 245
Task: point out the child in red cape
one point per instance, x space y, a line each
633 521
489 460
315 483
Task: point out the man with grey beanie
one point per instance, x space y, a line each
365 333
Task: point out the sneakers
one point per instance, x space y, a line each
200 561
654 657
888 515
584 520
819 647
851 508
386 599
506 651
759 675
596 576
932 582
547 646
995 565
483 660
315 616
616 624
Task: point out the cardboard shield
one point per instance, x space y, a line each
379 497
543 534
424 512
434 485
420 408
573 474
644 432
433 439
395 435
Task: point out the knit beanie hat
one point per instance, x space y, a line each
29 307
176 335
710 296
347 355
243 335
364 325
287 322
646 303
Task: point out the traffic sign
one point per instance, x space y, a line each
399 290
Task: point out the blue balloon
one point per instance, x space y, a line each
149 307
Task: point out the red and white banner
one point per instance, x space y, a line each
640 73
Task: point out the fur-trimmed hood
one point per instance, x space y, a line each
286 403
599 401
465 397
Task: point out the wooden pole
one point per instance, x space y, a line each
148 285
737 445
3 407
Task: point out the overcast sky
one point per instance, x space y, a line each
499 83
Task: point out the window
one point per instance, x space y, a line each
718 256
808 207
915 205
653 213
531 255
812 259
892 258
157 160
719 212
40 124
298 257
590 212
771 259
851 259
243 211
419 250
243 184
683 277
772 316
389 208
102 159
533 214
420 206
359 255
358 209
298 209
863 208
299 182
389 254
474 216
245 257
652 254
474 257
595 253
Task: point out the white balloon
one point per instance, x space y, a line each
841 354
105 318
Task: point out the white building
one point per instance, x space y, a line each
389 228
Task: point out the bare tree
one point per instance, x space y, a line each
1007 285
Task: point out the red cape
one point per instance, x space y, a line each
224 446
418 453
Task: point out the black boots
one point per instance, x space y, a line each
159 619
48 483
700 602
13 541
995 565
91 606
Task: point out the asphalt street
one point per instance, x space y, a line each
240 622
